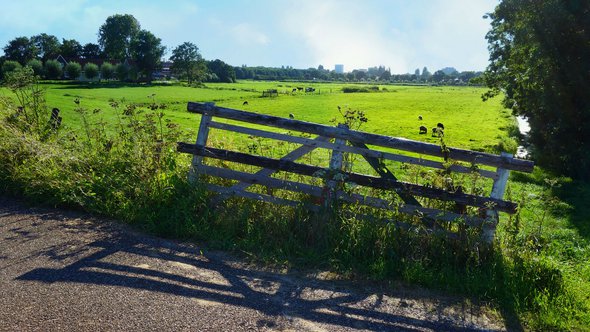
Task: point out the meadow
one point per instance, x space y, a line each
113 157
470 123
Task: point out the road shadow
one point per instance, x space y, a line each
122 258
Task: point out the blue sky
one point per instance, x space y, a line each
400 34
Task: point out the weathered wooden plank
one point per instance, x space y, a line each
365 180
347 197
367 138
498 189
335 168
365 152
291 156
499 186
408 209
261 180
202 137
386 174
260 197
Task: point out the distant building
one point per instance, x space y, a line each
339 69
165 72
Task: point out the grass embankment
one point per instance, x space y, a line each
121 162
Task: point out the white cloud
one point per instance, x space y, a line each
343 32
450 36
245 34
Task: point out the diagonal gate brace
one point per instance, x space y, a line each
385 173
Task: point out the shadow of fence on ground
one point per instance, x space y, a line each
188 273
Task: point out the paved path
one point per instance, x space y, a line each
67 271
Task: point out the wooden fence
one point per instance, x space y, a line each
350 141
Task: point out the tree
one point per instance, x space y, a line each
187 62
53 69
146 51
385 76
122 71
91 51
10 66
48 46
107 71
539 53
425 74
439 76
223 71
73 70
359 74
91 71
115 36
37 66
71 48
21 49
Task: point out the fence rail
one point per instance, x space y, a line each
346 140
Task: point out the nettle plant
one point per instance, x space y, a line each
30 112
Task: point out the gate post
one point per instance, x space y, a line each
498 189
202 137
335 166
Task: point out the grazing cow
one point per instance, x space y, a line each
440 125
423 130
291 116
55 119
420 117
299 88
294 90
245 103
309 89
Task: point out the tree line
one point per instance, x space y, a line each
123 51
371 74
540 66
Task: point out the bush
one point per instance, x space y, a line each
53 69
352 89
37 66
10 66
122 71
73 70
91 71
31 112
107 71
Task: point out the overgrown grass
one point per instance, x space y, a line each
119 160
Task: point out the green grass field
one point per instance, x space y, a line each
469 122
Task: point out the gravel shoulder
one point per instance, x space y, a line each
68 271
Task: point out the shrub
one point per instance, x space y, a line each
31 112
10 66
122 71
353 89
73 70
53 69
91 71
107 71
37 66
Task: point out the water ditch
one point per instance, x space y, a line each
524 128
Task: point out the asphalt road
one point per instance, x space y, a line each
67 271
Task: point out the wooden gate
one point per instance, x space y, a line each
341 140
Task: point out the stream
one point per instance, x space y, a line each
524 128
